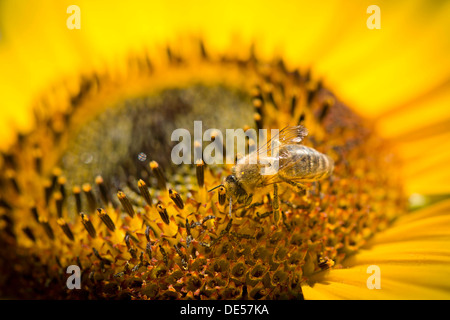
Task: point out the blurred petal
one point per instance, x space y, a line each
420 129
372 70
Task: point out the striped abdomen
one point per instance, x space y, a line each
298 162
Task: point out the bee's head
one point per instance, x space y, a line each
231 185
230 188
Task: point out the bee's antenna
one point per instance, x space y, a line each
220 185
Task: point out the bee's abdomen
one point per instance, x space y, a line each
303 163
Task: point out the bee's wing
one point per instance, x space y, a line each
285 161
273 156
292 135
288 135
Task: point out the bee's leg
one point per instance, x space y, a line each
297 186
249 200
276 204
231 206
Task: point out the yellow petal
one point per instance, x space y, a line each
421 131
412 256
416 119
378 70
397 282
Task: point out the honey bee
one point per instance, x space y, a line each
283 159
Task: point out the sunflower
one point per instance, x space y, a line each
87 180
